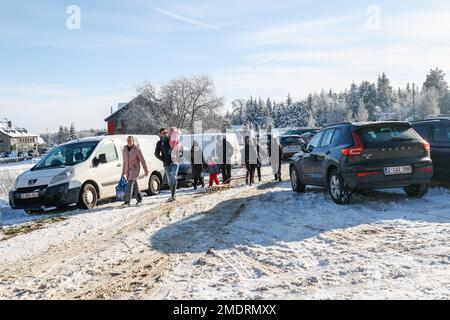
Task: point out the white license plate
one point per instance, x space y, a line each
30 195
389 171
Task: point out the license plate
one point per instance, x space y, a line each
389 171
29 195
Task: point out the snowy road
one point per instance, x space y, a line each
258 242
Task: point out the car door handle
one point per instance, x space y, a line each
118 165
328 152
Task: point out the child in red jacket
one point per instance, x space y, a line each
213 170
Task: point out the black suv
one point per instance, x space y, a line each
351 157
437 133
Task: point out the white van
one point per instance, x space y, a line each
81 173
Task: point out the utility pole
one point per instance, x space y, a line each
414 101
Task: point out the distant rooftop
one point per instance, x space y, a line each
13 131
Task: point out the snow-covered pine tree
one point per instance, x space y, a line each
353 98
72 132
429 104
385 95
368 92
61 138
436 79
361 114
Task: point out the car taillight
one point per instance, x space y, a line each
426 146
356 150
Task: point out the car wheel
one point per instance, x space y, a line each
416 190
154 185
339 191
296 183
88 197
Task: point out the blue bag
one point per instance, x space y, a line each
121 189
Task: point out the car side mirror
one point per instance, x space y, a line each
310 149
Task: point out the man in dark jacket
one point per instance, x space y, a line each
225 152
197 164
163 153
250 159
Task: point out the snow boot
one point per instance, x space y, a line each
139 199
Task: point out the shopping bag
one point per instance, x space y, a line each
121 189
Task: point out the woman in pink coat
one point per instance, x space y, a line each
132 160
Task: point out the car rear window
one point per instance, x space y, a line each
285 141
388 133
442 133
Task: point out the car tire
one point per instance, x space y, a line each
296 182
416 190
154 185
88 197
339 191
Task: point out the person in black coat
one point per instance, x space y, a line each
197 163
250 160
225 152
259 157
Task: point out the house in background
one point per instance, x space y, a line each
18 139
116 121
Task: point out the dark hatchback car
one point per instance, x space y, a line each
307 136
291 145
352 157
437 133
299 131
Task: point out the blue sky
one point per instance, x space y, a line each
51 75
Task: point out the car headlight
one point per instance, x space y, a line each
67 174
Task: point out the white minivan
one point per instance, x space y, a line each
81 173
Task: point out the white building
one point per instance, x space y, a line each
14 138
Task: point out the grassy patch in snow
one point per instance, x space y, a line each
10 232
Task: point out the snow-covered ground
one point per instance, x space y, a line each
259 242
8 175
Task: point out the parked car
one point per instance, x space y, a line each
291 145
352 157
299 131
184 177
81 173
307 136
437 133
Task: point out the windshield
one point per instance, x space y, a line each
67 155
388 133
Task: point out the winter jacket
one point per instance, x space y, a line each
197 154
163 152
224 151
250 154
132 160
213 167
